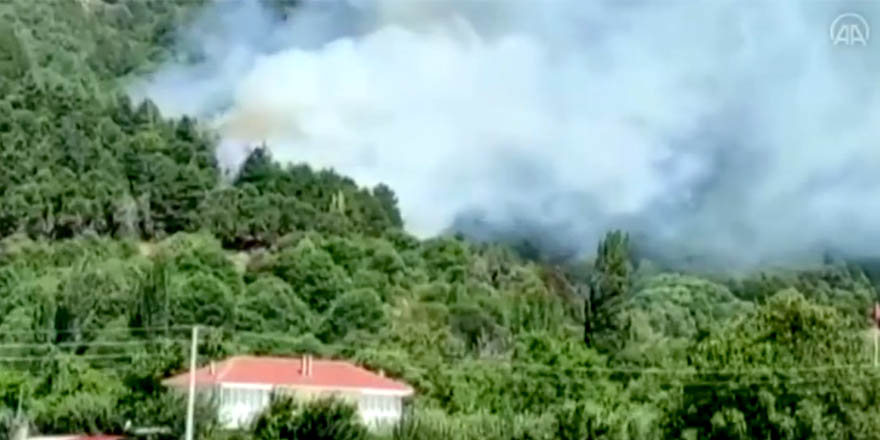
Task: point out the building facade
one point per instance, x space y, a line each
243 387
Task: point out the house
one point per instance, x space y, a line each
243 386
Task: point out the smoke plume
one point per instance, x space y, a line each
729 129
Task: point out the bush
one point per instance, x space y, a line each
328 419
437 425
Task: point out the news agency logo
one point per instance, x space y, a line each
850 29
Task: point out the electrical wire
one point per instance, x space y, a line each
775 374
84 344
82 356
110 330
678 371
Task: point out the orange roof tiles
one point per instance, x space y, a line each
288 372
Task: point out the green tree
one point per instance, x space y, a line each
770 375
312 274
269 304
360 309
610 282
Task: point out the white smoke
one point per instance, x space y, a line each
733 127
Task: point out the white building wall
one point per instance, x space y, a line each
380 409
240 404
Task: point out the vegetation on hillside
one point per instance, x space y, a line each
118 232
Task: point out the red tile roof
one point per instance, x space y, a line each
288 372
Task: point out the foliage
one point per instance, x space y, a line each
432 425
610 282
322 419
798 393
118 230
664 315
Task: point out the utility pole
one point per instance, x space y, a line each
20 398
876 333
190 404
20 425
876 346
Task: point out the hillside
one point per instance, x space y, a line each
119 231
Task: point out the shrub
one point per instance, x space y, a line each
327 418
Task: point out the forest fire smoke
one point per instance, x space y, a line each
734 129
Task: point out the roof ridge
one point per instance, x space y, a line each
356 365
289 359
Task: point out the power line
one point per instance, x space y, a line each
691 370
83 356
268 337
84 344
677 371
105 330
683 371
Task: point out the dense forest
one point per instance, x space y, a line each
118 232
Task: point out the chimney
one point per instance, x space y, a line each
212 367
382 373
307 365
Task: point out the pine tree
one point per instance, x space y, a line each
610 282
